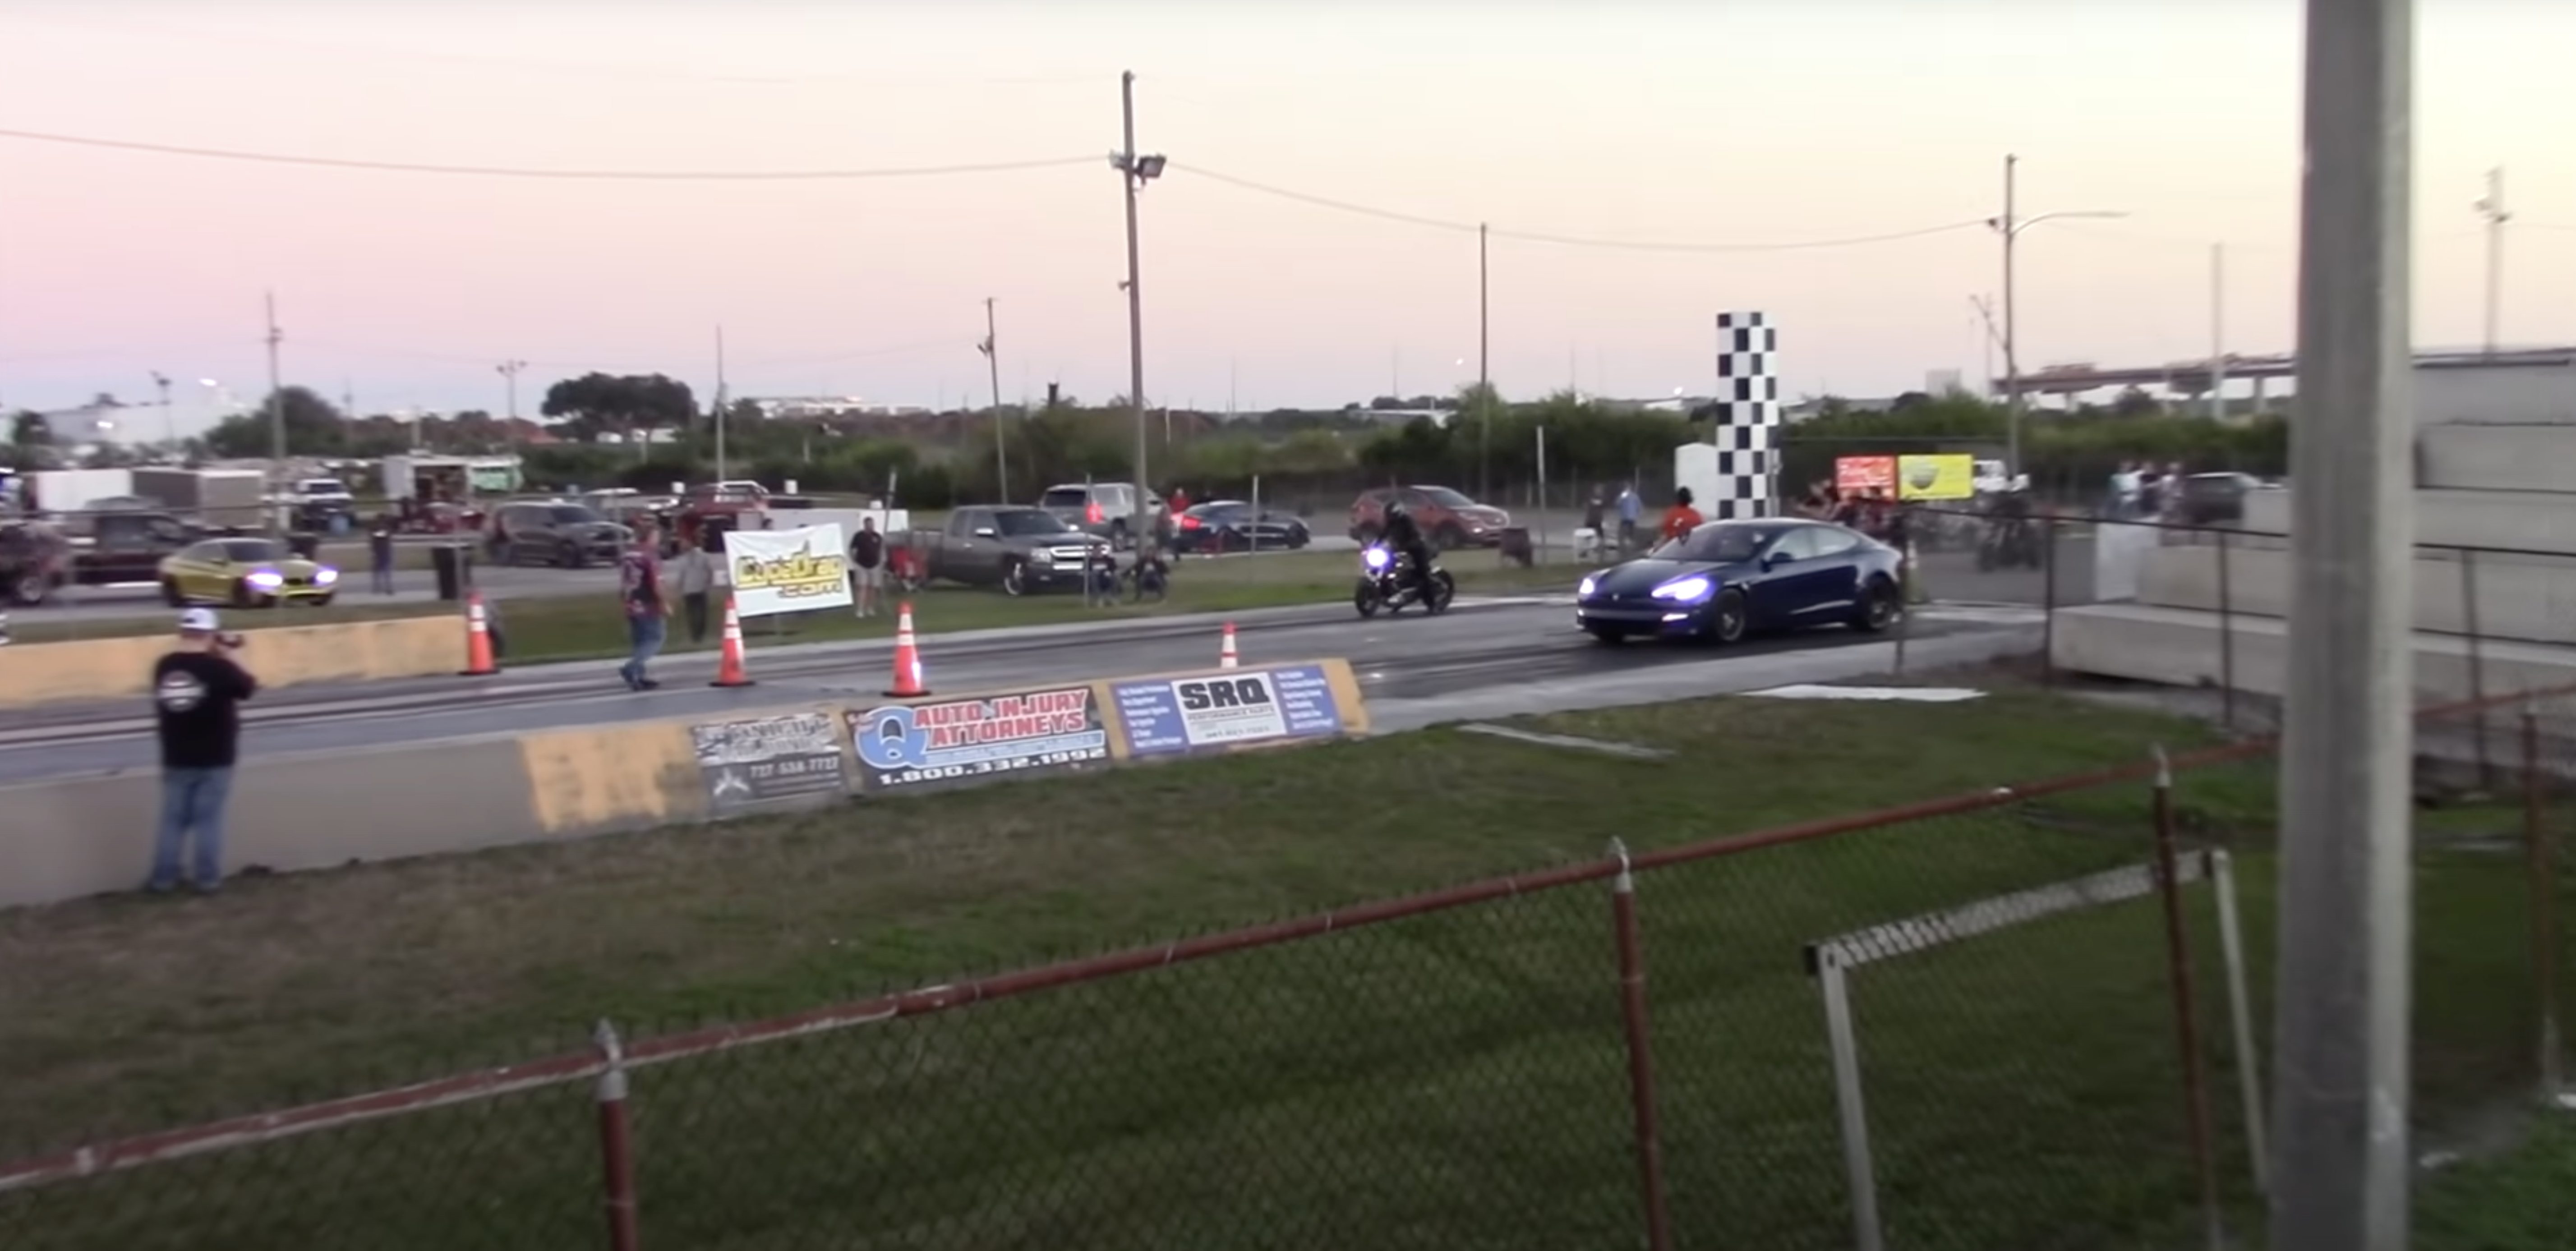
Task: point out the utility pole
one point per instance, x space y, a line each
1395 374
2341 1153
2011 229
276 416
169 424
2491 207
2218 332
2010 226
991 347
1484 365
721 406
509 371
1135 170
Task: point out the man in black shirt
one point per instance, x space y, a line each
197 691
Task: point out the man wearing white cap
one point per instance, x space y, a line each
197 690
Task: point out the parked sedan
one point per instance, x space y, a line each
1235 526
1728 579
245 573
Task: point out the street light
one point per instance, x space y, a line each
1135 170
2010 226
169 424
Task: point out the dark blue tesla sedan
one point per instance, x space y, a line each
1728 579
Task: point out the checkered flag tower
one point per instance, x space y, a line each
1748 418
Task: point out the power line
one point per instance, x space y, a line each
1570 241
577 175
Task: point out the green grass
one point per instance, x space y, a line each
578 627
2521 1200
1452 1080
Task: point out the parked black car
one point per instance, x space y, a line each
569 535
1235 526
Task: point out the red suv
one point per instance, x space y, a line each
1447 518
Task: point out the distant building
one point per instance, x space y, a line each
807 407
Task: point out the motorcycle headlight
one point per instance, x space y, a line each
1689 590
1588 585
1374 558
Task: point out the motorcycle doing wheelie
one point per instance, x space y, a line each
1386 582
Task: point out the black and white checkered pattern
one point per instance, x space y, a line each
1748 416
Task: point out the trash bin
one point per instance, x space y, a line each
454 565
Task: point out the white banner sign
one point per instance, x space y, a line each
775 571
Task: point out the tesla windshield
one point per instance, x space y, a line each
1720 544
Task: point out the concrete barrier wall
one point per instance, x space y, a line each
67 839
357 651
2541 522
2529 601
2497 458
2178 647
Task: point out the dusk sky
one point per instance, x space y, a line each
1752 122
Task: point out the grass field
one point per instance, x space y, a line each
1453 1080
2521 1200
576 627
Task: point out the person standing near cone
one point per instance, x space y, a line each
648 611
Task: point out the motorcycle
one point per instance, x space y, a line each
2008 542
1383 584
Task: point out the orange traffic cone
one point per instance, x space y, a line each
907 657
1226 656
729 666
478 640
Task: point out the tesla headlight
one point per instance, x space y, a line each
1587 586
1689 590
265 577
325 576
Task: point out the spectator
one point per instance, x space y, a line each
197 690
1596 508
380 555
867 565
648 612
1681 518
1629 507
695 572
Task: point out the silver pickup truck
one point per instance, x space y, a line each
1016 548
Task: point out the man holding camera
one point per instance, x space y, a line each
197 690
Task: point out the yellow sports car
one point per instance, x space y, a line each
245 573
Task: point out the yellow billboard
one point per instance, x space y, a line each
1938 477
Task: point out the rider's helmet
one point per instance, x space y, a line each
1396 511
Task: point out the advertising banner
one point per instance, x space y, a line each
1166 716
913 746
761 759
776 571
1861 475
1941 477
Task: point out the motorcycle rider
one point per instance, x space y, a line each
2010 512
1404 537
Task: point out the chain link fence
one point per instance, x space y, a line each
2025 1017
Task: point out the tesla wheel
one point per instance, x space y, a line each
1727 618
170 593
1879 607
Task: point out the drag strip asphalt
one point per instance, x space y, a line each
1478 645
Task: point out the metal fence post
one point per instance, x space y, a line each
2195 1086
616 1146
2226 636
2542 869
2477 664
2240 1016
1641 1058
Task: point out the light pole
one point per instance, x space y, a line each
169 424
509 371
2491 207
991 348
1134 171
276 419
1484 367
2010 226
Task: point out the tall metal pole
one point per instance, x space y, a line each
2492 208
276 416
2218 332
2011 228
2342 1097
723 401
169 424
993 366
1142 523
1484 365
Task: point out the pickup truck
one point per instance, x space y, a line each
1018 549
